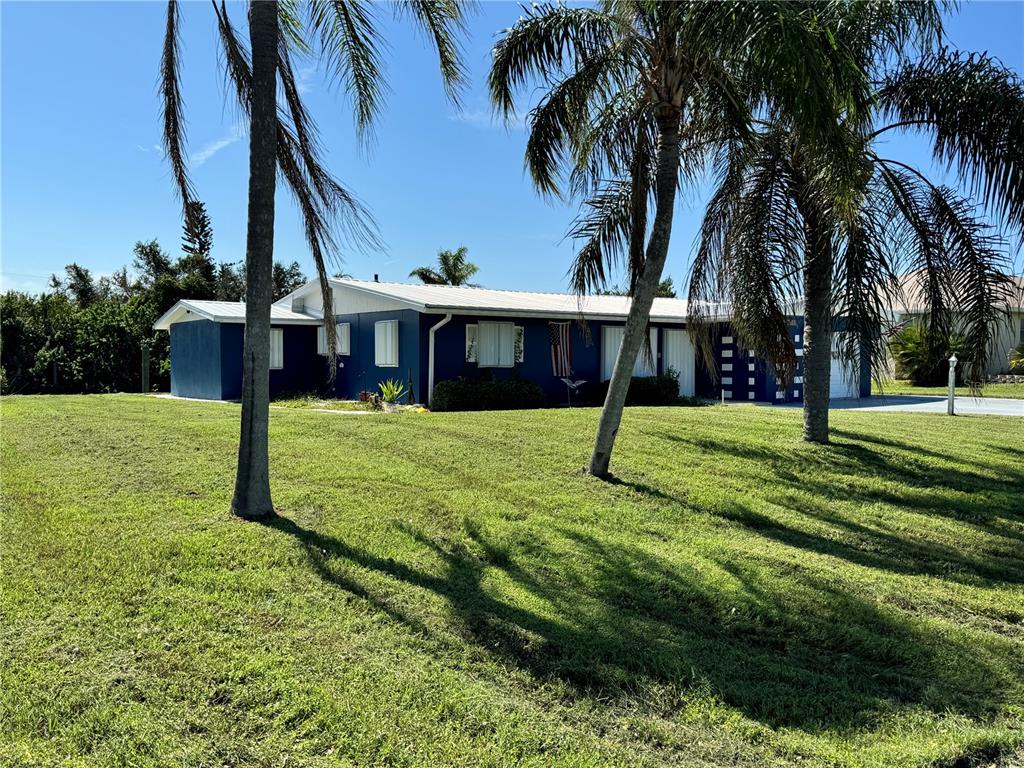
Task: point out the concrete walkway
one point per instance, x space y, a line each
973 406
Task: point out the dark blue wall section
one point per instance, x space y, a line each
358 371
206 361
195 360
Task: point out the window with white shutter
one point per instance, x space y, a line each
344 333
496 345
277 348
385 343
611 340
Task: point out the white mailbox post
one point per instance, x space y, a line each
952 384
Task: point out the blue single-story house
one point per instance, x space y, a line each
424 334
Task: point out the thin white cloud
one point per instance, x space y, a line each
304 79
485 118
211 148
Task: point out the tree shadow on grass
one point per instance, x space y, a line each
610 618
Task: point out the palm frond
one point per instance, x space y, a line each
428 276
350 44
442 21
979 279
173 108
546 42
604 226
974 108
557 123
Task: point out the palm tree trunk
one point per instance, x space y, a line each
818 261
252 482
644 293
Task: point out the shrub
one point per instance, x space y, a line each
479 395
645 390
391 391
1017 360
924 361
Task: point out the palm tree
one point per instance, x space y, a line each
784 223
453 269
283 139
639 92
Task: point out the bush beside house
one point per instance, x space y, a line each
482 395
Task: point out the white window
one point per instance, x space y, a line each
277 348
611 340
344 333
496 345
385 343
726 366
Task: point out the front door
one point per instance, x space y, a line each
679 357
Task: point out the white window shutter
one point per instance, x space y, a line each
321 340
276 348
344 338
471 343
385 342
518 343
506 345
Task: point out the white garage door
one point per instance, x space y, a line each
679 357
611 340
844 380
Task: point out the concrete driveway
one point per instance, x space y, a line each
986 406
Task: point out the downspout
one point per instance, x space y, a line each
430 356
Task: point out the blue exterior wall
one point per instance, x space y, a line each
303 369
206 359
358 370
196 360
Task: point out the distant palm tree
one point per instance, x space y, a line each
640 92
453 269
283 139
783 223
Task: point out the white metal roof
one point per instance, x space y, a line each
226 312
448 298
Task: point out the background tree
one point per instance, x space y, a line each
287 279
452 269
634 89
344 36
666 290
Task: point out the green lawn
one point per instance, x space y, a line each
901 387
448 589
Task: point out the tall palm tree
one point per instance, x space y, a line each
638 92
452 269
783 224
283 139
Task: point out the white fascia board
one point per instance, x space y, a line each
175 313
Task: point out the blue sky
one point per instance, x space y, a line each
83 176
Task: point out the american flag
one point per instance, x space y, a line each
561 349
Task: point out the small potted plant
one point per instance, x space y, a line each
391 392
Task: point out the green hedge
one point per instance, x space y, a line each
480 395
644 390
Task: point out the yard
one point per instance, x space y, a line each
447 589
902 387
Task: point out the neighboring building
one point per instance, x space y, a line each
1009 332
428 333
